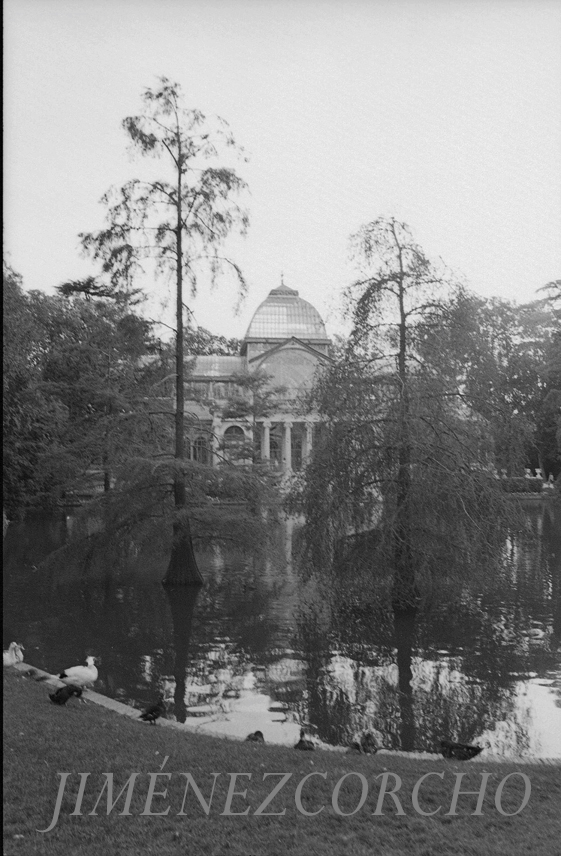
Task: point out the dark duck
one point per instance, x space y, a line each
459 751
62 695
304 745
256 737
366 745
152 713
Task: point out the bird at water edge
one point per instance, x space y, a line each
256 737
152 713
62 695
13 655
459 751
304 744
366 745
81 676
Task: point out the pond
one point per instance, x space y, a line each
259 647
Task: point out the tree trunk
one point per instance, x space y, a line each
405 594
182 568
404 631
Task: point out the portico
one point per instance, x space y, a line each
296 441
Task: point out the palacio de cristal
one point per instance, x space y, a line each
286 341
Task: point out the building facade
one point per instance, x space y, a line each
252 406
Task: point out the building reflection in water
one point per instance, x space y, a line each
259 648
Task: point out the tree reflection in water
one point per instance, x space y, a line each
454 669
182 601
466 666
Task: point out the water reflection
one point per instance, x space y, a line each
259 648
182 601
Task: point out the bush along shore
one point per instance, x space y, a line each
81 779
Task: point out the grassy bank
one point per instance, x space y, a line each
42 740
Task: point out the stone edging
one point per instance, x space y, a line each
133 713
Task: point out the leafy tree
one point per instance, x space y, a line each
180 221
548 418
29 423
93 367
400 453
77 379
496 376
504 356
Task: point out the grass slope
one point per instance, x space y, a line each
42 740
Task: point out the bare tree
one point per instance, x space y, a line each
180 221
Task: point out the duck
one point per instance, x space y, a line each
13 655
459 751
81 676
304 744
366 744
152 713
62 695
30 673
256 737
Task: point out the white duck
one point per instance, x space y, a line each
80 676
13 655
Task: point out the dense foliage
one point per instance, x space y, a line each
89 419
76 385
434 393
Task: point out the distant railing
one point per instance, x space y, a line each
523 484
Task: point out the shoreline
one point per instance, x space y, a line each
133 713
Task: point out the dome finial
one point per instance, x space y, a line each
282 279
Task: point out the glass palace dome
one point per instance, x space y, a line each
284 314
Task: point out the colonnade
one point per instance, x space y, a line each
287 428
266 426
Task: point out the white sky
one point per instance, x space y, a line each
444 113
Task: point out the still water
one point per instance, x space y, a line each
261 647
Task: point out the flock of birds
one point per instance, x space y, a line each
78 678
366 745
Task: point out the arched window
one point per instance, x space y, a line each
234 439
234 434
201 451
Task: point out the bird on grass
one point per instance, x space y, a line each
256 737
459 751
366 745
152 713
304 744
80 676
62 695
30 673
13 655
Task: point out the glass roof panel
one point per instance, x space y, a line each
284 314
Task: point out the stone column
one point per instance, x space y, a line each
266 440
215 441
309 442
288 446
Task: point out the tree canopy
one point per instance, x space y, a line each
402 452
